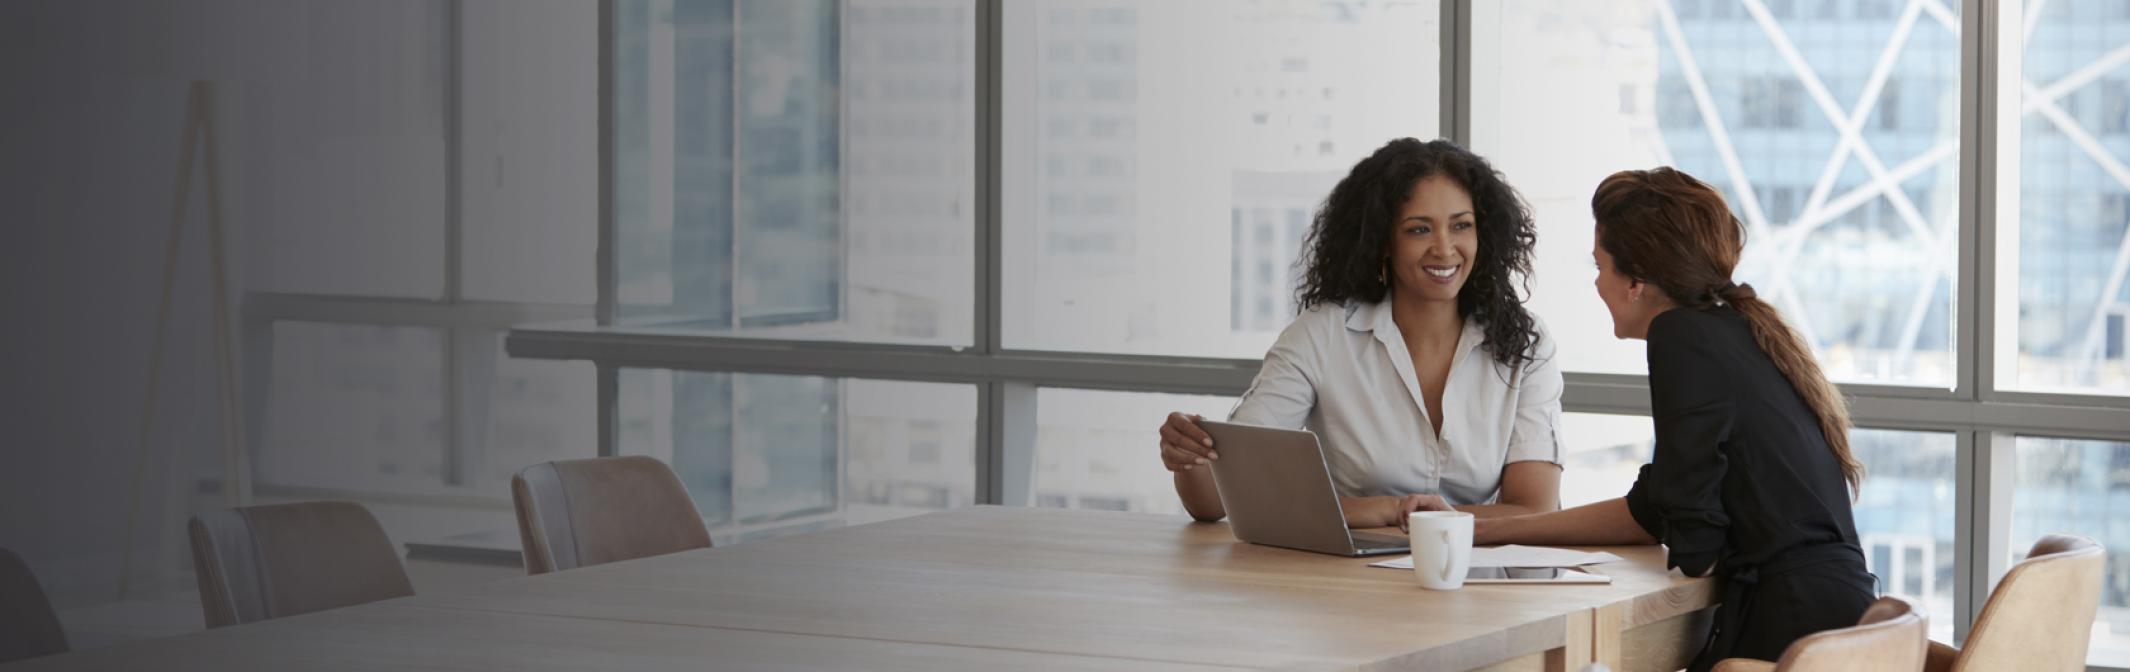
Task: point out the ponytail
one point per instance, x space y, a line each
1794 359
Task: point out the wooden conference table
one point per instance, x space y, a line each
984 587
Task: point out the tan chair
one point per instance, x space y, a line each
28 627
2040 617
1890 636
260 562
579 513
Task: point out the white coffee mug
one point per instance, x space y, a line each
1442 547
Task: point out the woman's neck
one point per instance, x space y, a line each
1425 320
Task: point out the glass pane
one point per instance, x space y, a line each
1101 450
1185 145
529 185
1841 161
767 455
331 153
1904 517
1603 455
784 452
796 169
2081 487
2073 231
538 411
787 145
355 407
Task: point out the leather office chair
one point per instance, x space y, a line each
260 562
28 627
579 513
2040 617
1890 636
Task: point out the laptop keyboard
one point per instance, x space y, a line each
1365 540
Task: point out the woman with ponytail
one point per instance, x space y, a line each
1752 477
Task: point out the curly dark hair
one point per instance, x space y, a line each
1351 236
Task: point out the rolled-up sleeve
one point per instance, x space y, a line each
1644 513
1680 492
1285 389
1535 433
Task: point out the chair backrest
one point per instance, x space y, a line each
2040 617
261 562
1892 635
579 513
28 627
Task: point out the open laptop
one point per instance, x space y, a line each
1277 491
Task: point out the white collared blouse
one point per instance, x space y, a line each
1344 373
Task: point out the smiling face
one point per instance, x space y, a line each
1435 240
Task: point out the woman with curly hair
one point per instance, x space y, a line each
1413 359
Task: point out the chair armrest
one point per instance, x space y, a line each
1744 665
1940 657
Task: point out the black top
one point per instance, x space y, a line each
1742 471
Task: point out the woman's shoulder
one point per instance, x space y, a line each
1684 341
1542 345
1687 325
1325 319
1328 311
1539 353
1683 323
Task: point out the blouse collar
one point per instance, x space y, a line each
1376 317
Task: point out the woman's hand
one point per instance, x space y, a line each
1185 445
1388 510
1605 523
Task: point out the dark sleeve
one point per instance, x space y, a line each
1682 487
1645 514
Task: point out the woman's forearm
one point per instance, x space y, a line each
1605 523
1200 496
1527 487
1501 510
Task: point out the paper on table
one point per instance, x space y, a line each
1513 555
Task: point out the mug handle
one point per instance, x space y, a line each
1448 563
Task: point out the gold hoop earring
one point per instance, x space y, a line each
1383 274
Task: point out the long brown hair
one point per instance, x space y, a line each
1665 228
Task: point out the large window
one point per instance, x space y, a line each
1832 131
1185 146
1027 230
